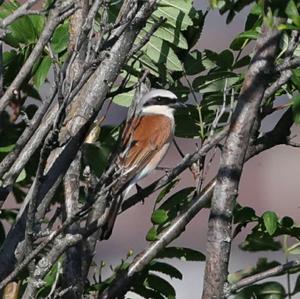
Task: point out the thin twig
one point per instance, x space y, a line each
56 16
23 10
262 275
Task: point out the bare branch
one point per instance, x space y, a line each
122 282
146 38
46 263
120 285
23 10
263 275
294 63
56 16
82 116
232 159
284 68
187 161
72 263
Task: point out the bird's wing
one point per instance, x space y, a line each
143 138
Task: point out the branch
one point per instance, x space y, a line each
39 249
187 161
232 160
279 134
294 63
56 16
23 10
122 282
26 152
46 263
86 107
283 69
263 275
72 262
10 158
147 37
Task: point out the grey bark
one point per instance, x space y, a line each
232 160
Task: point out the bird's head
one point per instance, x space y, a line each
160 97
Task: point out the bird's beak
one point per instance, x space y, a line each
178 105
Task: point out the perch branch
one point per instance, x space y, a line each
262 275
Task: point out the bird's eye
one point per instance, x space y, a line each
158 99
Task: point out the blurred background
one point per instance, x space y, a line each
270 181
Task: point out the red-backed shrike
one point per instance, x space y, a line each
146 137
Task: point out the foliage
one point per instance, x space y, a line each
208 81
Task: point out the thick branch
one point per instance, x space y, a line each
232 159
47 262
87 106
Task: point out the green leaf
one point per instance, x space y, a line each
217 4
271 290
244 214
242 62
166 190
242 39
297 286
97 156
8 215
287 221
49 280
160 52
186 120
215 82
147 63
60 38
225 59
159 216
175 17
152 234
165 269
22 29
270 221
38 24
296 108
292 12
169 34
193 63
260 241
124 99
268 290
182 5
182 253
22 176
42 71
7 149
178 200
159 284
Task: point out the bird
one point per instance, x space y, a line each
145 140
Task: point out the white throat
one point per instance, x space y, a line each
159 109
